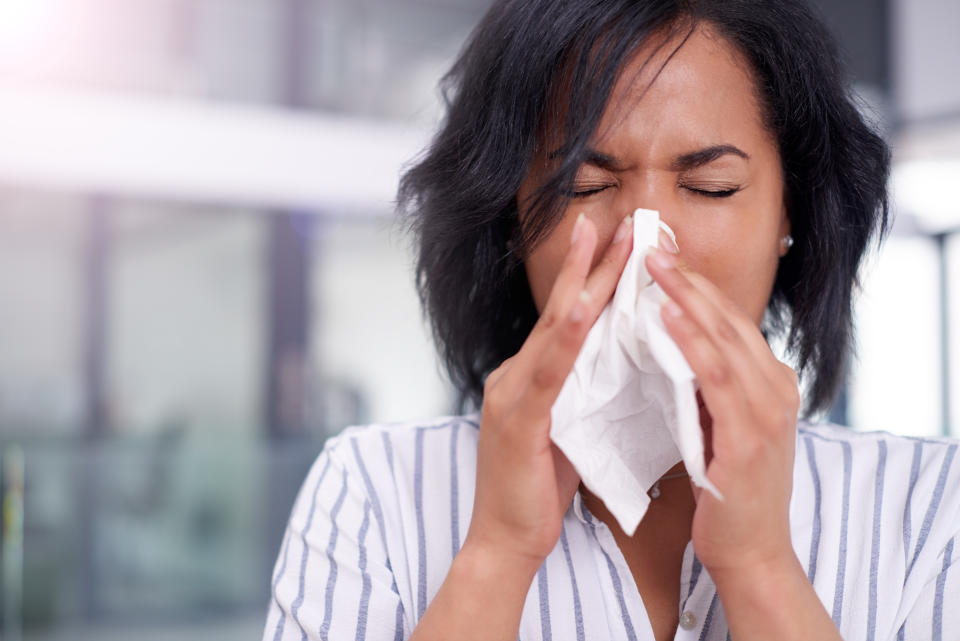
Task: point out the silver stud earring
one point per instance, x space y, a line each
786 242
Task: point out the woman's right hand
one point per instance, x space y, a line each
524 482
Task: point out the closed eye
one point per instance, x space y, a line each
714 193
583 193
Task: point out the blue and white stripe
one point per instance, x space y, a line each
875 519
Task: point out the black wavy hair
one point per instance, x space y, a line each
528 62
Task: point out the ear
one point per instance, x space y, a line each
783 230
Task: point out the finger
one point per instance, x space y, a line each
494 377
566 285
719 327
547 356
559 332
720 385
779 377
603 280
570 279
541 377
667 241
756 399
749 332
599 285
545 376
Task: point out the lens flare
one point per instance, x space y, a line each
25 28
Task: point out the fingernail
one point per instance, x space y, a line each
579 310
664 259
576 229
667 243
623 229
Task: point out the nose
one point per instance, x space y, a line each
657 191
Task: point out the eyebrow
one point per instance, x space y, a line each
694 159
683 162
594 157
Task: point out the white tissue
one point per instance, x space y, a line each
627 412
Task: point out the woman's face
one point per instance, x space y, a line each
698 129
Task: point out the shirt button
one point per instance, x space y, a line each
688 620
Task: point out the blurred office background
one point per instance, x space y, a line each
201 279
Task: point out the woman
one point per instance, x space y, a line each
732 120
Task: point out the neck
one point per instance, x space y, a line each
669 515
672 512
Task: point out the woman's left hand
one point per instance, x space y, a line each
750 423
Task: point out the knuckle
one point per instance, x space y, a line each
493 408
571 338
494 377
791 376
545 378
718 374
775 418
549 318
793 399
791 386
727 332
794 405
505 366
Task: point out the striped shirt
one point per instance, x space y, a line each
875 520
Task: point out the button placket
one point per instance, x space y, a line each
699 602
686 574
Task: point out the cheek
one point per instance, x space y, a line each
539 275
734 244
743 268
544 262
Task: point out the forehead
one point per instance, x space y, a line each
684 92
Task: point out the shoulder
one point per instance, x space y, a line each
408 428
889 482
361 519
378 448
906 466
381 461
882 454
418 478
874 517
403 466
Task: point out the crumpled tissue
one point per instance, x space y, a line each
627 411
